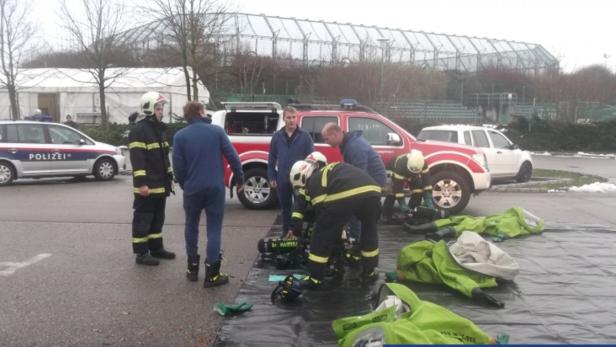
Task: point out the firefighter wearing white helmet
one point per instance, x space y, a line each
317 158
337 192
408 168
152 180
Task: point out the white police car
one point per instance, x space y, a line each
41 149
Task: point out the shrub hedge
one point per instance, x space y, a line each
534 134
117 134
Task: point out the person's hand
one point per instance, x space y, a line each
290 235
240 189
144 191
273 184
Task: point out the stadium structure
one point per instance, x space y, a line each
321 42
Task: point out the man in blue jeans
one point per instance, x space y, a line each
359 153
288 145
198 150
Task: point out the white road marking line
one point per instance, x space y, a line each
11 267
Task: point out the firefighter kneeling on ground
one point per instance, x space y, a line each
411 168
337 192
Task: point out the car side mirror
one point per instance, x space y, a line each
393 139
82 142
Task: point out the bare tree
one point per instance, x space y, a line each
16 33
194 27
95 30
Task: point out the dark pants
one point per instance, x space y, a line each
148 220
285 198
212 200
328 228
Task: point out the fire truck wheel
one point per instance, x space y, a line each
257 193
450 191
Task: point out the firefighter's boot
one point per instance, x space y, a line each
163 254
146 259
213 276
192 272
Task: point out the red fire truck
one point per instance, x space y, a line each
457 170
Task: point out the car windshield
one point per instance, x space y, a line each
439 135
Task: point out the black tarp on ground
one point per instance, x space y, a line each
564 293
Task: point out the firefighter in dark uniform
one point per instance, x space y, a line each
302 210
152 180
411 168
337 192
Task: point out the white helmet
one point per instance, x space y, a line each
316 157
300 172
415 161
149 100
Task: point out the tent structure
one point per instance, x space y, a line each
59 92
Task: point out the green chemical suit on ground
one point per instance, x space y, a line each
405 319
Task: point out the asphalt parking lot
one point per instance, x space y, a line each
67 275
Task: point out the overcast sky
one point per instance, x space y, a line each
578 33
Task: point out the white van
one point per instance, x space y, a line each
505 159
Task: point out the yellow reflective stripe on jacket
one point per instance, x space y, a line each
165 144
326 170
427 188
417 191
297 215
346 194
153 145
399 195
152 190
138 173
399 177
370 254
317 259
155 236
140 239
319 199
136 144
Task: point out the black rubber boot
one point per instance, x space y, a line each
192 272
163 254
146 259
421 228
213 276
369 276
447 233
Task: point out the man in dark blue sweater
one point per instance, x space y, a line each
198 152
359 153
288 145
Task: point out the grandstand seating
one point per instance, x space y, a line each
442 111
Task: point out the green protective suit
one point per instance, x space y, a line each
425 323
429 262
512 223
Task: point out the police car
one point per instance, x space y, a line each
30 149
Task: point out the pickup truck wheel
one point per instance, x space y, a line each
450 191
257 193
525 173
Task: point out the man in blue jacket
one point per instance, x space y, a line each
198 150
288 145
359 153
